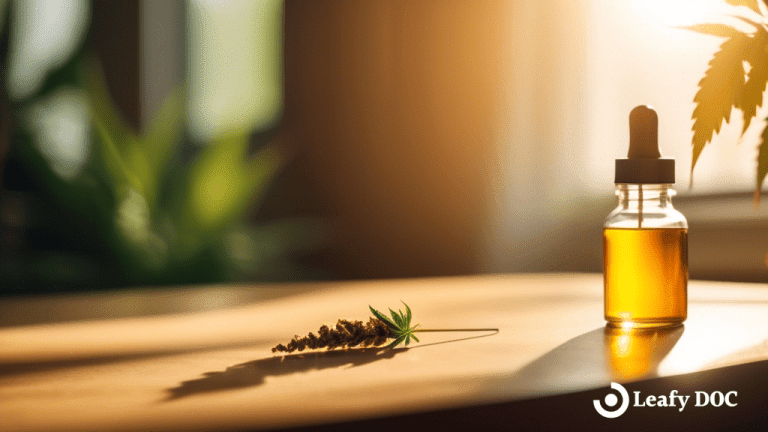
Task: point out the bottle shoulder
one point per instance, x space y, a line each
659 217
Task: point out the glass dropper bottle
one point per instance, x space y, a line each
645 240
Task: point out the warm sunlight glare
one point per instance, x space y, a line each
684 12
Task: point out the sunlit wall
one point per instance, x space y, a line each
571 73
638 54
430 137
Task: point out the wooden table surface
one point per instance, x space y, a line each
199 357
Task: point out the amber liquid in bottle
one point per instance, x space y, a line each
646 276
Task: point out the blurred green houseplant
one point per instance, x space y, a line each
193 224
158 218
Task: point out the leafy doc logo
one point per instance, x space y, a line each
611 400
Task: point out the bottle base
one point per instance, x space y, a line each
644 323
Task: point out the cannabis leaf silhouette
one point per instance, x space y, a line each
718 92
721 30
727 85
762 163
752 4
757 77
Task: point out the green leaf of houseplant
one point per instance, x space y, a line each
223 181
163 132
114 141
122 177
102 109
719 91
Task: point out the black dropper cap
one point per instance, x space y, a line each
644 164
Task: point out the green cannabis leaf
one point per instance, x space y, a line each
400 325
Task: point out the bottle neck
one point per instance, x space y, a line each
646 196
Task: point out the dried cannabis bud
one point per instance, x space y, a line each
349 334
346 334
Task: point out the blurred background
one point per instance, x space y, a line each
149 143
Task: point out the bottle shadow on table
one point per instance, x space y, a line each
254 373
593 359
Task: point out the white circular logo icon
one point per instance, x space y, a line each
611 400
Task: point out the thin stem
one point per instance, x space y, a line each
454 330
640 206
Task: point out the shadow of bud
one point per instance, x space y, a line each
253 373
